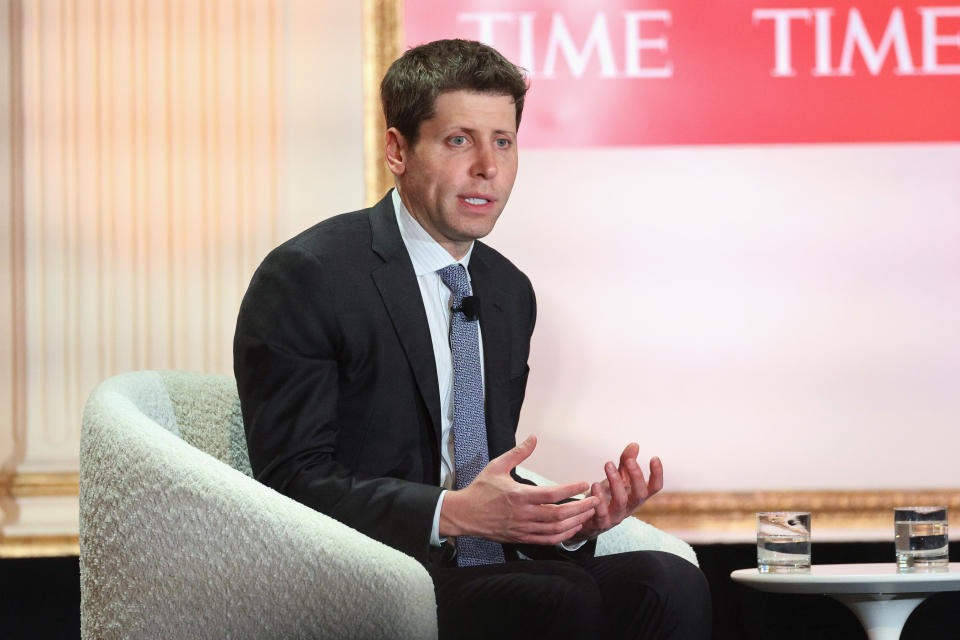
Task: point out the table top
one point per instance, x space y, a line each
852 578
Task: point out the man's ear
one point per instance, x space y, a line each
395 151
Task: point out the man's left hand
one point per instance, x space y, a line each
622 492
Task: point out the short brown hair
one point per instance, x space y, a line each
411 85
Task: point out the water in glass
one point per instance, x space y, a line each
783 542
921 537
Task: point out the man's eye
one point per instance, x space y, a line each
458 141
503 143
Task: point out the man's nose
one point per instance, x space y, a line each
485 162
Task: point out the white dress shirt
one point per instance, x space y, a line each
428 258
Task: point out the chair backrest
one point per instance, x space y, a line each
200 408
208 416
178 545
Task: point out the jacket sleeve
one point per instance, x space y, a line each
288 355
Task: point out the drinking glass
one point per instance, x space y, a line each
920 537
783 541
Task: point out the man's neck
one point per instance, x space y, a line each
457 250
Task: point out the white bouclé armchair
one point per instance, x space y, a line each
177 540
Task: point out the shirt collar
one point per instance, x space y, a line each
426 253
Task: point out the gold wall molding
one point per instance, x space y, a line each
832 509
14 488
382 44
700 512
39 546
18 485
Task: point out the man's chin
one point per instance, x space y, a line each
469 235
476 227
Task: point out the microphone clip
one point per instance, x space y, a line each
469 307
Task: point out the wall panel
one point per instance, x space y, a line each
150 182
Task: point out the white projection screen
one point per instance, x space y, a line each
761 284
759 317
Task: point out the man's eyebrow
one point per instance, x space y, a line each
472 131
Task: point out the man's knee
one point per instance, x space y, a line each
669 594
567 602
683 592
568 596
524 600
683 576
673 578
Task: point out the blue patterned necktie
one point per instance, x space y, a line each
469 422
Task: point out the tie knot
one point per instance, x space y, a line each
455 277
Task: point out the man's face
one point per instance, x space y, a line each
457 177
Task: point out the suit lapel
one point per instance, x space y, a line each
397 284
493 325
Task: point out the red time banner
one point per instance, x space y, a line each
658 72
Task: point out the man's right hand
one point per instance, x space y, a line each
497 507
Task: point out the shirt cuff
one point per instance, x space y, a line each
435 540
573 546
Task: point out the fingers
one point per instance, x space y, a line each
550 540
639 489
549 524
551 494
555 512
629 454
602 510
634 477
556 526
618 493
601 490
507 461
656 476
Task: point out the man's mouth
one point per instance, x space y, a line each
476 200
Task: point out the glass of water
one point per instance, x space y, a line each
920 537
783 541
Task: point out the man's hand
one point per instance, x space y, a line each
622 493
497 507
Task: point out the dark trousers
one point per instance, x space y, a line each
643 594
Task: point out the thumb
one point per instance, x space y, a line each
507 461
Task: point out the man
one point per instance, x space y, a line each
381 359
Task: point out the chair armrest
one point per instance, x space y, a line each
175 544
633 534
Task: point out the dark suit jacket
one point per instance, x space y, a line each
337 377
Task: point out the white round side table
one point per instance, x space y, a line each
881 598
